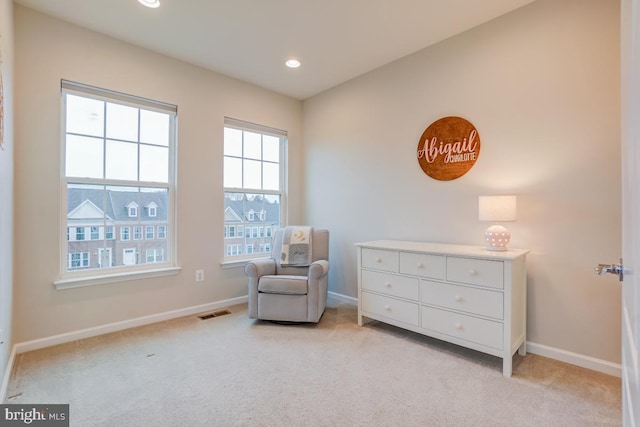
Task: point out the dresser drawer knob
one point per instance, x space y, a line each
378 259
472 272
388 284
420 265
458 325
458 298
387 307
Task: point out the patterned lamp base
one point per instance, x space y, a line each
497 238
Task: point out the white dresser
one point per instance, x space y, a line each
465 295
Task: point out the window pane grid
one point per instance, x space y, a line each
253 183
99 205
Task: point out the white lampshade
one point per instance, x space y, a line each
497 209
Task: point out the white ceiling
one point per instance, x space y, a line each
336 40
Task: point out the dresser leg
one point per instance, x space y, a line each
522 350
506 366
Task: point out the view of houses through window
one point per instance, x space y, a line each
250 221
119 179
102 234
254 171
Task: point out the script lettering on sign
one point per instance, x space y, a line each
448 148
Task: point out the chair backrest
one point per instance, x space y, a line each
319 250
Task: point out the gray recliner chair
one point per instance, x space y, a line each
290 293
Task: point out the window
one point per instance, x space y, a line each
234 250
152 210
232 231
118 169
254 175
77 260
133 210
154 255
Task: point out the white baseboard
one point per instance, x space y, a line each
581 360
125 324
343 298
7 375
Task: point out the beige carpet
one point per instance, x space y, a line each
233 371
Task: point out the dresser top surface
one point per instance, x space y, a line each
444 248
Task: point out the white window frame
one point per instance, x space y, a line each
95 235
162 234
157 255
122 233
84 257
133 210
232 260
70 279
147 233
152 210
137 232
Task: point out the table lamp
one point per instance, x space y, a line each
497 209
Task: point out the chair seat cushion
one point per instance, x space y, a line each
283 284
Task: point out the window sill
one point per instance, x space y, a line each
238 262
78 282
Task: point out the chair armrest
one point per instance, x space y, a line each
260 267
318 269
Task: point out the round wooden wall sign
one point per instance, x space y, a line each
448 148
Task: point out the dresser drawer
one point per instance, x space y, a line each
399 286
423 265
476 272
379 259
391 308
471 300
469 328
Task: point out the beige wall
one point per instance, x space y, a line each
6 187
48 50
541 85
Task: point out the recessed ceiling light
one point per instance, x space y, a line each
150 3
292 63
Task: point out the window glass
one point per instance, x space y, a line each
253 181
121 161
117 161
122 122
84 157
85 116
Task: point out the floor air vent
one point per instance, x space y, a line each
214 314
